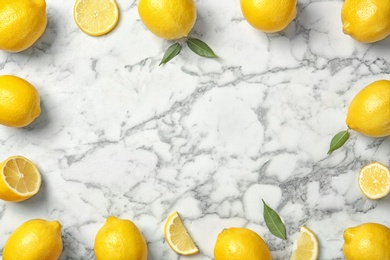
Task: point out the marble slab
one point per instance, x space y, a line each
209 138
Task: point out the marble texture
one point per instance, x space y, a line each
120 135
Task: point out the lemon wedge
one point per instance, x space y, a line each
177 236
307 246
96 17
20 179
374 180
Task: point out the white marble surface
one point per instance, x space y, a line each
119 135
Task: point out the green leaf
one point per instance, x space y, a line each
171 53
273 222
200 48
338 140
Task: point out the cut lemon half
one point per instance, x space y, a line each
20 179
374 180
307 246
96 17
177 236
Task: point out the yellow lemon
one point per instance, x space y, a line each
20 179
120 239
177 236
168 19
367 241
374 180
369 111
307 246
36 239
269 15
366 20
19 102
22 22
240 244
96 17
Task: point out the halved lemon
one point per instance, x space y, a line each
307 246
20 179
374 180
177 236
96 17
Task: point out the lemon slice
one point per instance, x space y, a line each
20 179
177 236
96 17
307 246
374 180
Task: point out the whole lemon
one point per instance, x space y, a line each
369 111
120 239
22 22
269 15
168 19
36 239
366 20
240 244
369 241
19 102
